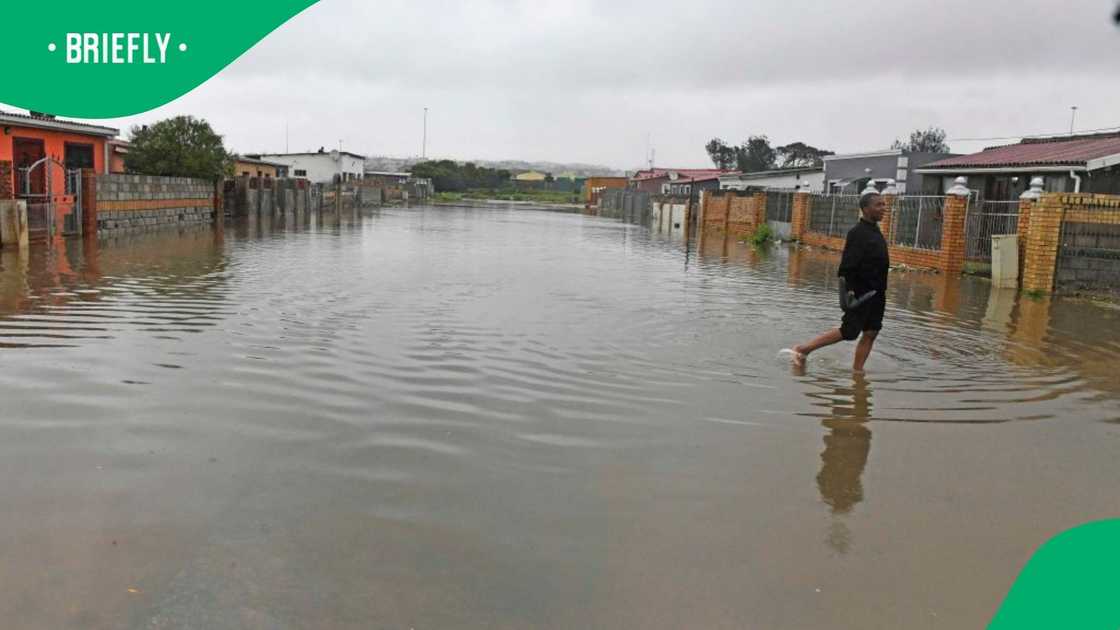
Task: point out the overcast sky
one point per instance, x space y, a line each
591 80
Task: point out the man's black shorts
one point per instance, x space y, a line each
868 316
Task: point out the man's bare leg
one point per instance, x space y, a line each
863 349
800 353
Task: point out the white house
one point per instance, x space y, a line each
787 178
322 167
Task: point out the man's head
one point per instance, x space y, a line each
872 206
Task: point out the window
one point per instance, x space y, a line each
301 172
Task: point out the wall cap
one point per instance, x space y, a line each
960 187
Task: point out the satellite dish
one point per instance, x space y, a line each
335 155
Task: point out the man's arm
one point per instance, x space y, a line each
851 258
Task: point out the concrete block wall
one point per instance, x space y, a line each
142 202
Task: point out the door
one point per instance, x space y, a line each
26 152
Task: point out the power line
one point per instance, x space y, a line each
1036 135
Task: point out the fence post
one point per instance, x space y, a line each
799 215
952 228
89 202
219 210
759 213
890 194
1027 200
1041 255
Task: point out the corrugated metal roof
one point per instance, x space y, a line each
58 124
1068 151
684 173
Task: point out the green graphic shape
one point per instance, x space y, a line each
205 37
1073 581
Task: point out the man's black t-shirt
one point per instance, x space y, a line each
866 261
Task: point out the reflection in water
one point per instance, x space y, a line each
846 448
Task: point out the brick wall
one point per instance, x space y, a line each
132 202
949 259
909 256
1074 244
733 212
7 183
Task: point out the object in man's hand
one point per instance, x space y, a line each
848 299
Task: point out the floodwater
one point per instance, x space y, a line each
470 418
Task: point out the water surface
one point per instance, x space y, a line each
445 418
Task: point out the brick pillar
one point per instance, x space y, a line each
7 182
890 194
799 217
89 202
705 197
1040 258
726 211
951 259
1026 202
758 215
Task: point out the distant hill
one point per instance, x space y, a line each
558 169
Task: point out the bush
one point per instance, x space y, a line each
762 234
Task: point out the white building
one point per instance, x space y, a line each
788 179
322 167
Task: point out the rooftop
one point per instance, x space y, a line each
248 159
776 172
327 153
47 121
692 174
1074 151
387 174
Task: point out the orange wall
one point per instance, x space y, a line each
116 163
54 144
592 186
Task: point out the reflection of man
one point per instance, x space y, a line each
845 456
864 267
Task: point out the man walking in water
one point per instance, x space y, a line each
864 268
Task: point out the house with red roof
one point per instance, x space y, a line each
678 182
1077 163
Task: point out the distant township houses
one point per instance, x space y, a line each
1074 163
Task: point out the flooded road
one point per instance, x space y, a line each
453 418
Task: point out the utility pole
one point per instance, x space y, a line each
1072 117
285 136
424 146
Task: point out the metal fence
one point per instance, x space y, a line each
779 205
40 221
1089 250
916 221
833 214
984 220
629 205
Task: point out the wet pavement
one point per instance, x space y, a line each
473 418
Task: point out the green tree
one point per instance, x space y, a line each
930 140
800 155
722 154
756 154
183 146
